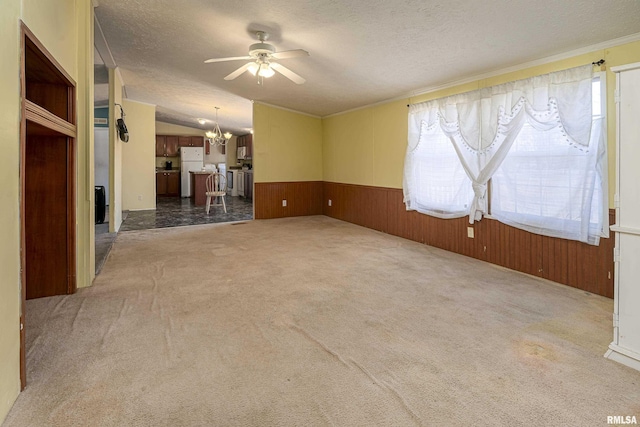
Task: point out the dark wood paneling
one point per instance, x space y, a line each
46 82
303 198
568 262
46 196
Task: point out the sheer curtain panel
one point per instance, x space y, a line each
548 117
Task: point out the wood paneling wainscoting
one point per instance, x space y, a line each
303 198
572 263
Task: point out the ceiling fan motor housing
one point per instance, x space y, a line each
257 49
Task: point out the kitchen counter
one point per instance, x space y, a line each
199 187
167 170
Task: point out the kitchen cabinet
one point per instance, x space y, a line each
160 144
173 184
190 141
172 146
197 141
208 147
199 187
169 145
247 142
248 185
240 183
166 146
245 184
168 183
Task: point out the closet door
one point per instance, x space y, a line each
625 347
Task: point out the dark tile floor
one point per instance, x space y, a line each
104 241
175 212
170 212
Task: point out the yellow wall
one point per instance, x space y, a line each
85 193
9 205
65 28
367 146
115 152
171 129
53 23
287 146
231 152
138 157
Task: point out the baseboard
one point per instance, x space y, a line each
624 356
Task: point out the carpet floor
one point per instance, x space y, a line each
315 321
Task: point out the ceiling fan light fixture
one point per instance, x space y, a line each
263 59
265 71
253 68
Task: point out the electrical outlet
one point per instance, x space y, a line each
329 202
139 196
470 232
284 202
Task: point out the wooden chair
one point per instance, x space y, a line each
216 186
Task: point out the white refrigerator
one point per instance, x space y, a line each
191 159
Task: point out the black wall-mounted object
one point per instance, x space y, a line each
101 204
123 133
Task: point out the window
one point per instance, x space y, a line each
534 148
547 185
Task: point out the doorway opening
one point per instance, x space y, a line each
47 178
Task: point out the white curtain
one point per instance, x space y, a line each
435 182
481 127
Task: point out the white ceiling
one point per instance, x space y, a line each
362 51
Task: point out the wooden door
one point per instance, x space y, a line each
46 220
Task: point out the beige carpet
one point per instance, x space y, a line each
314 321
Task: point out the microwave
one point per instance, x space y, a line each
242 153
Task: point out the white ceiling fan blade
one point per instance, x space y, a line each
287 73
239 71
234 58
290 54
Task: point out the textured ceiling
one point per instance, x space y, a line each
362 51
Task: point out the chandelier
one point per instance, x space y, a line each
215 136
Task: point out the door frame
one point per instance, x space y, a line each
71 153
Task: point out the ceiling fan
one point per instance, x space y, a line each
263 57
